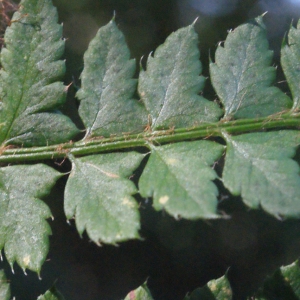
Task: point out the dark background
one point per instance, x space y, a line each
175 256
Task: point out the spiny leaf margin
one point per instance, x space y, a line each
259 167
242 76
179 178
24 230
107 87
29 88
108 213
170 85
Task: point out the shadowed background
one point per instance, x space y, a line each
175 256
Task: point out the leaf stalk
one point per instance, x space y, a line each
102 145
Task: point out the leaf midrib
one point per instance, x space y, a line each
168 88
239 81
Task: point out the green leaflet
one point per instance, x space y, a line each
23 229
141 293
106 104
179 178
259 167
51 294
169 87
4 287
290 61
29 90
242 75
217 289
283 284
98 193
291 276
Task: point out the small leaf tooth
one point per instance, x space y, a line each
68 86
26 128
195 21
114 15
141 66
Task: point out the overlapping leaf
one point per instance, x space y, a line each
179 178
291 275
259 167
217 289
4 287
290 61
141 293
283 284
242 75
106 104
29 90
170 85
51 294
98 193
24 230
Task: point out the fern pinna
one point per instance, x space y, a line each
255 121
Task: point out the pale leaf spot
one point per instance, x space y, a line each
212 286
26 260
163 199
126 201
172 161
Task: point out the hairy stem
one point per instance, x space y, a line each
101 145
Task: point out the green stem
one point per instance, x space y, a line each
97 145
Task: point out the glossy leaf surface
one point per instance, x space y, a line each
170 85
258 166
106 104
98 193
179 178
24 230
29 90
242 74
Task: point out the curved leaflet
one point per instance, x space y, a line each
179 178
107 87
24 230
259 167
290 61
170 85
98 194
29 88
242 75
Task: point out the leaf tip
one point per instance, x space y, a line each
195 21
